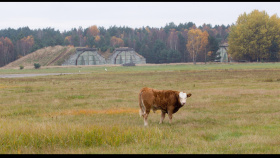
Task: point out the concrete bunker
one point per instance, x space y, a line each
125 55
85 56
91 56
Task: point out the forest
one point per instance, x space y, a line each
168 44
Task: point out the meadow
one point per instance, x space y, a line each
234 109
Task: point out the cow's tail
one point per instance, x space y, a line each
142 110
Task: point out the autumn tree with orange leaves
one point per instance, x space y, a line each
67 40
197 41
92 36
116 42
204 43
93 31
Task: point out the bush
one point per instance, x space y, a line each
128 64
104 49
21 67
37 65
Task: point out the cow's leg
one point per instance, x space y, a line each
162 117
170 115
146 118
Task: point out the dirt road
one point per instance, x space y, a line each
30 75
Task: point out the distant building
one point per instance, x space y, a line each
125 55
90 56
222 55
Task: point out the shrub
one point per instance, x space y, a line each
104 49
37 65
112 49
21 67
128 64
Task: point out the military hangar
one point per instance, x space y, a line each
125 55
85 56
91 56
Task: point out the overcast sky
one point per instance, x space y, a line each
67 15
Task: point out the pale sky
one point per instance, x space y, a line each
67 15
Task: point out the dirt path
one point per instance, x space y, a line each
30 75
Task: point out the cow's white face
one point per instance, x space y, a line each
183 98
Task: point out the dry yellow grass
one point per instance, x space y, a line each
92 111
234 109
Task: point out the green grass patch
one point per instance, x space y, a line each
73 137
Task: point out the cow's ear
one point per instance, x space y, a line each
189 95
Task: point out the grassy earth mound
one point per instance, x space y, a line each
48 56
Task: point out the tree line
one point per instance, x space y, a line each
171 43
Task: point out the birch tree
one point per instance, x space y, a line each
196 42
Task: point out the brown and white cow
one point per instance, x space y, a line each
168 101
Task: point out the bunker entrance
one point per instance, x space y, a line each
88 58
125 58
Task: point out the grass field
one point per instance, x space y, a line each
234 109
